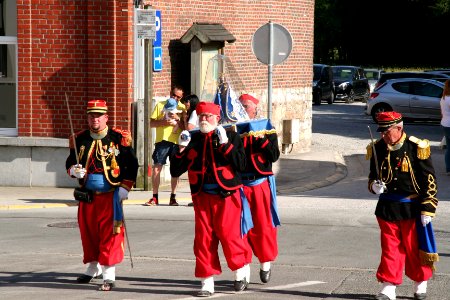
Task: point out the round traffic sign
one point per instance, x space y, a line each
281 43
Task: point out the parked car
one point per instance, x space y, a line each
350 84
441 71
323 85
393 75
372 76
415 98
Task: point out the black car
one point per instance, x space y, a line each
323 86
395 75
350 83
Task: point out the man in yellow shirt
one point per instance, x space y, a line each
166 139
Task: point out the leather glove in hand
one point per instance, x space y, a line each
425 220
77 171
123 193
184 138
222 134
379 187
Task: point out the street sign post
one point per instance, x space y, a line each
157 59
271 44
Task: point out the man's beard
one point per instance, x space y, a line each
206 127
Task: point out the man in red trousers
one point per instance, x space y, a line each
213 157
106 169
261 149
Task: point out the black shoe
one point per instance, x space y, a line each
381 296
107 286
86 278
204 293
191 204
421 296
173 202
240 285
265 275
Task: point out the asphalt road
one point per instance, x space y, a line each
329 247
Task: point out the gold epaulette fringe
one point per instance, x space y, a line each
423 147
259 133
369 151
428 259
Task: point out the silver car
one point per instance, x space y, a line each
414 98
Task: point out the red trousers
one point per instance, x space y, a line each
95 221
400 250
218 219
263 236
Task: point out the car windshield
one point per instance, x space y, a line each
372 75
343 73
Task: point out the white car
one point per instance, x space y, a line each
372 76
414 98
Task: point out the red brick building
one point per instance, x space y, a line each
87 49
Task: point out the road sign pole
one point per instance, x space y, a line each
270 71
148 77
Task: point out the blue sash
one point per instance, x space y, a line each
246 214
98 183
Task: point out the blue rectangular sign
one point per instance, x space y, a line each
157 42
157 59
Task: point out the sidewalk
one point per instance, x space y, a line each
295 173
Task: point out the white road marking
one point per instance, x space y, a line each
256 290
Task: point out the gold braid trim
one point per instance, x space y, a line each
413 177
428 259
432 187
105 167
258 133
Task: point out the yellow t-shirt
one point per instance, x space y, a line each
165 133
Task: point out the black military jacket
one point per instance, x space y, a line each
406 171
208 162
111 155
261 152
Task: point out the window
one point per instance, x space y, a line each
8 68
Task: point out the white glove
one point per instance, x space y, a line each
379 187
184 138
425 220
123 193
77 171
222 134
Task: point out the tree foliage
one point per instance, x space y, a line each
399 33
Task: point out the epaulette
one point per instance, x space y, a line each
71 137
423 147
369 150
126 137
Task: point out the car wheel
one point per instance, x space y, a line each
351 96
366 96
382 107
331 99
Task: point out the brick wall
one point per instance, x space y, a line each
85 47
80 47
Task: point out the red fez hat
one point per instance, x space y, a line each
388 118
207 108
97 106
245 97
